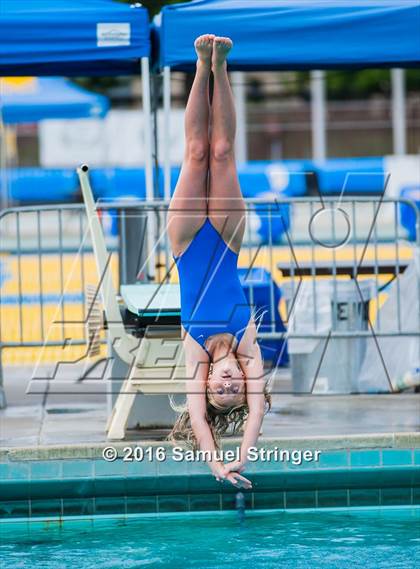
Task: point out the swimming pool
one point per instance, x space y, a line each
358 505
362 537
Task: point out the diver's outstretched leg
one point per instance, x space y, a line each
226 207
188 208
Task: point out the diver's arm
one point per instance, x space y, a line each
256 403
197 367
196 399
251 363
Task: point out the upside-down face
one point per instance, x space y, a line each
226 382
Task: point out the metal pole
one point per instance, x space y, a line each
4 188
148 163
166 132
318 115
239 93
398 111
4 193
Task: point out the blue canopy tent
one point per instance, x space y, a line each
292 35
295 34
32 99
76 37
72 37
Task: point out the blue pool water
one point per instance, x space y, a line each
368 538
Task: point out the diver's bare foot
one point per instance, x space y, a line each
221 47
204 48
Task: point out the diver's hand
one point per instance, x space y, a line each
219 471
238 480
235 466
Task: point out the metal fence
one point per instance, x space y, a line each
47 261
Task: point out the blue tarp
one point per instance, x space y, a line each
270 179
41 184
72 37
290 34
278 179
350 176
282 179
32 99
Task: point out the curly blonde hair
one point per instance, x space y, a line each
221 421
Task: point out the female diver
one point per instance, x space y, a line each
206 222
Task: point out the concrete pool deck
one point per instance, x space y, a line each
76 418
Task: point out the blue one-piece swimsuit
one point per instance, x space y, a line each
212 298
